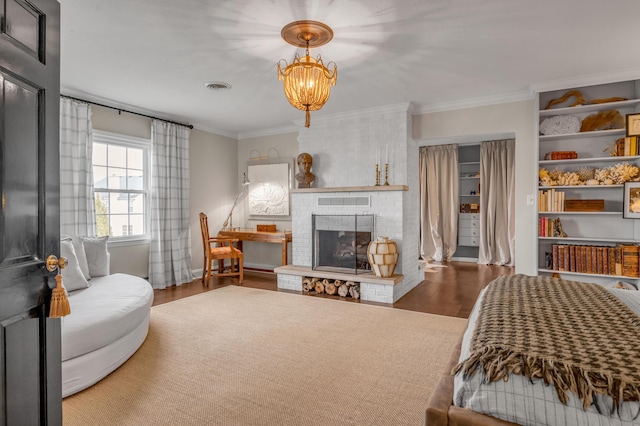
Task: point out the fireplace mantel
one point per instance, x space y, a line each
353 189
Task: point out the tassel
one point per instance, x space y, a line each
307 118
59 301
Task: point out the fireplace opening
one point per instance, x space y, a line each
340 242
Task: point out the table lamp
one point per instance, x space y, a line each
227 225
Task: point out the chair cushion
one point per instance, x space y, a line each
219 251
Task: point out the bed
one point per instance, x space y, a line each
585 322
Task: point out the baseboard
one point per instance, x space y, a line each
464 259
197 273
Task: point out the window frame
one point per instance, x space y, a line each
127 141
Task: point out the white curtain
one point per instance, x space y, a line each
170 248
497 203
438 201
77 206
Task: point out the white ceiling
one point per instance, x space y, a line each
155 56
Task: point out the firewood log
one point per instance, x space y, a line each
354 291
343 290
330 288
349 283
319 287
306 284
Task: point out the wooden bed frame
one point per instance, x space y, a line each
442 412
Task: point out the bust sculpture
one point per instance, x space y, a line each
304 175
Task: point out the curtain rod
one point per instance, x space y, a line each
127 111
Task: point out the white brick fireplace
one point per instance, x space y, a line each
345 149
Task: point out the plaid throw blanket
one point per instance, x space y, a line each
577 336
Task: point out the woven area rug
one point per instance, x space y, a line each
242 356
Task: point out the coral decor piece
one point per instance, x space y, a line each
617 174
603 120
560 125
586 173
624 172
580 100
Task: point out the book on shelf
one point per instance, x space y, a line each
551 200
548 227
561 155
619 260
631 146
630 260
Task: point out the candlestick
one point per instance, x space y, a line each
377 175
386 174
386 156
377 156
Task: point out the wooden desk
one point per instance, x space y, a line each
283 238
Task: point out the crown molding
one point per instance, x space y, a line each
269 132
522 95
206 128
587 80
135 109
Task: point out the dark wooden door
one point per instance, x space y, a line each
30 383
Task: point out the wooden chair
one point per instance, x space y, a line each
219 248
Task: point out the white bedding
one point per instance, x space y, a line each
520 401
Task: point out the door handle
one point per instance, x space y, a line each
54 263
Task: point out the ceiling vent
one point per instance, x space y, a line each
218 85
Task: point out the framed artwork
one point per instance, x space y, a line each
270 183
631 209
633 124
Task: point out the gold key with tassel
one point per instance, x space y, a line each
59 302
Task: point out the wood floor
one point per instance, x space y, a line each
449 290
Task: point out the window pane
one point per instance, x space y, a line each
117 156
102 202
102 217
117 178
100 177
102 225
136 224
135 180
118 223
119 204
137 203
100 154
135 158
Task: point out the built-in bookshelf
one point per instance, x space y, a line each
590 240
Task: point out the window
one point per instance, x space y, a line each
121 185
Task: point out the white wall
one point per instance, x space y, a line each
214 185
515 118
285 146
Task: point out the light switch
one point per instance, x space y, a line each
529 199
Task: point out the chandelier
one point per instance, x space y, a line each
307 82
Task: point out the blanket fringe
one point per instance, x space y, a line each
498 363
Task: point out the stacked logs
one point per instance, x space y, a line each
331 287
